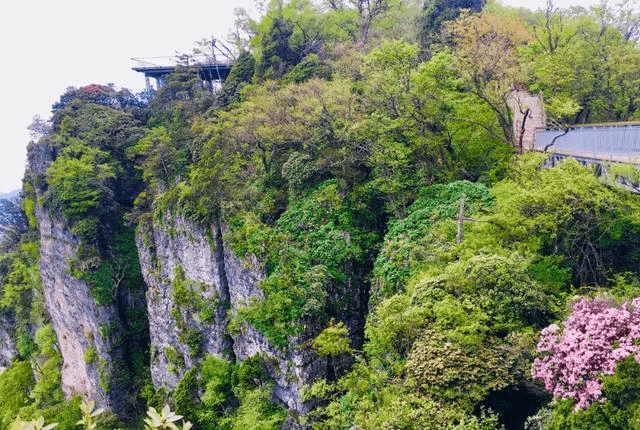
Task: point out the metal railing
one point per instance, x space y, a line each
173 61
611 142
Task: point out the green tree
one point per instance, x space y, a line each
435 14
289 31
489 64
332 342
584 64
77 186
162 163
566 212
15 384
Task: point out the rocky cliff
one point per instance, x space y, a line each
195 284
91 355
7 346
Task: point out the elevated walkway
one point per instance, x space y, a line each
599 145
617 142
159 67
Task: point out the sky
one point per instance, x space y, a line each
49 45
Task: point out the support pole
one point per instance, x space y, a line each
461 219
146 81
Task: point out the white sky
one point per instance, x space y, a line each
561 4
49 45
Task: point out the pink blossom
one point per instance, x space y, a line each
596 337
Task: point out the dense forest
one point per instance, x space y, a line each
346 233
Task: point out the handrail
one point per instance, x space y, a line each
167 61
619 142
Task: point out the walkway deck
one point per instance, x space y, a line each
604 142
208 72
159 67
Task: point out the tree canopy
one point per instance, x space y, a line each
362 156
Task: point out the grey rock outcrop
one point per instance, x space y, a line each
7 347
291 369
89 357
185 321
174 251
74 314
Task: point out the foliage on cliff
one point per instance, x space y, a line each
337 155
82 178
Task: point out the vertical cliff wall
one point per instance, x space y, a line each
194 284
185 289
90 355
7 347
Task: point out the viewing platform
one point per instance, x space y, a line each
159 67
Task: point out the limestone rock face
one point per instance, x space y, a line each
194 284
74 315
529 115
78 321
7 347
291 369
183 299
174 253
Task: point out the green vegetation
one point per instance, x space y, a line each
362 154
463 325
176 360
90 356
307 255
88 186
16 383
234 396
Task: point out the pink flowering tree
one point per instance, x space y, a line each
595 338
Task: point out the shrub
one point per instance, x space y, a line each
15 384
